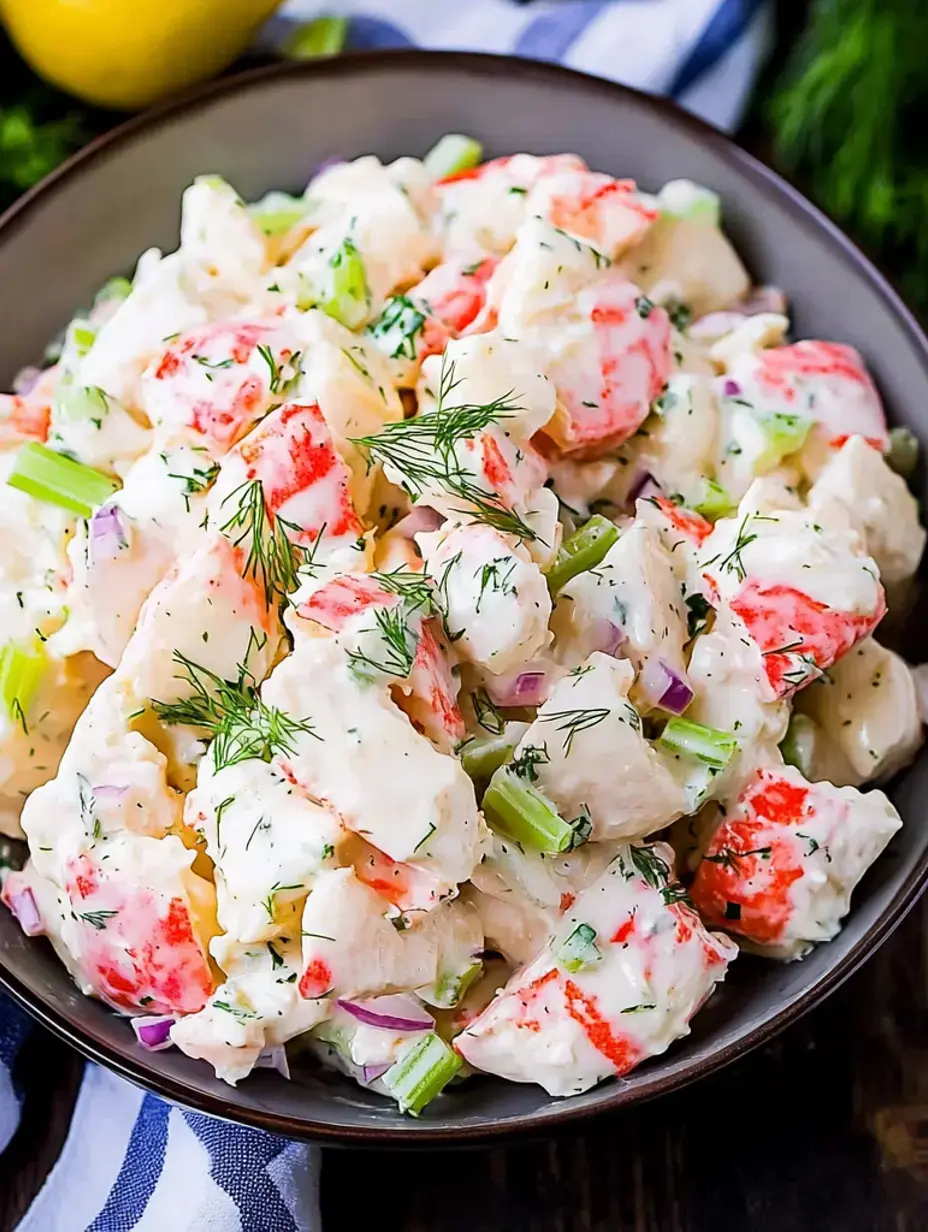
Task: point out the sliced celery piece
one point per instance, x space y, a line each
21 668
74 403
113 289
785 434
902 455
520 812
711 500
706 744
482 755
276 213
423 1070
342 292
50 476
798 745
449 990
452 154
684 199
579 950
582 551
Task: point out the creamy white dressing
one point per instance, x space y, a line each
258 695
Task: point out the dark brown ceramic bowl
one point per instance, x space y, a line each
269 129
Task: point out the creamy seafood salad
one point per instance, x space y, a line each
439 618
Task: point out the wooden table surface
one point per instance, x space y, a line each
824 1130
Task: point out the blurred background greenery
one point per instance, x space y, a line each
840 109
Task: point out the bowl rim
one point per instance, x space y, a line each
557 1113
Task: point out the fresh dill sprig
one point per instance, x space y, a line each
399 642
400 319
273 558
97 918
415 588
574 721
486 714
240 724
279 383
524 765
424 451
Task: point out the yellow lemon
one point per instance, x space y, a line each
128 53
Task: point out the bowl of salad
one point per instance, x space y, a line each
447 686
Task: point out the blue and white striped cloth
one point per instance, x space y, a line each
130 1160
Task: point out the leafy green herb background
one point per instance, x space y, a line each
841 109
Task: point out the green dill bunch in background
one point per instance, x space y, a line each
848 123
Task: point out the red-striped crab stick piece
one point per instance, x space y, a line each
366 761
822 387
605 345
483 207
279 491
780 869
627 968
129 918
211 385
390 626
804 592
421 321
158 517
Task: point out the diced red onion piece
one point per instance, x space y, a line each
26 911
25 379
644 484
109 791
664 686
421 519
154 1031
731 389
274 1058
609 636
370 1073
525 688
392 1013
107 531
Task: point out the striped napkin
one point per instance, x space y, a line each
131 1161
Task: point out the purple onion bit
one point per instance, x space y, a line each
526 688
731 389
26 910
108 534
109 791
643 485
370 1073
153 1032
382 1017
665 687
609 636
